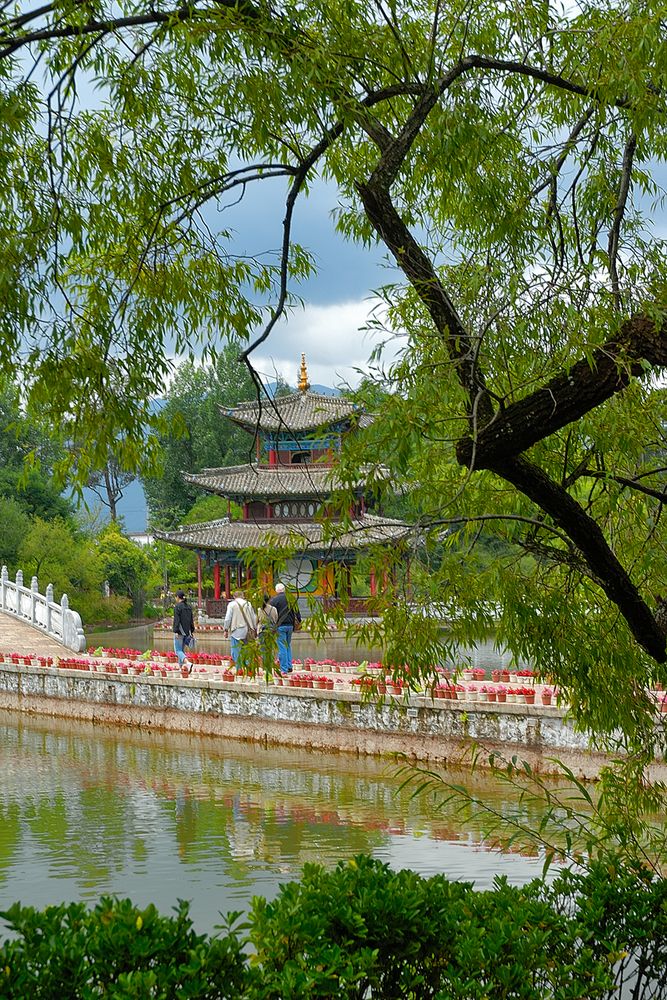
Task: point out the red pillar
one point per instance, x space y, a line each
273 456
228 582
216 580
199 589
374 585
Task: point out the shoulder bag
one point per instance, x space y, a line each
251 634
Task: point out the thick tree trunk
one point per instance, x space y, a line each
567 397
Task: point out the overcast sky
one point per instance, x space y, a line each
339 299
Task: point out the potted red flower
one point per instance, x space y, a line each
529 695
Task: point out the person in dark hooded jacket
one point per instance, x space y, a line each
184 627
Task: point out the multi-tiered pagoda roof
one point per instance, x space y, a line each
284 493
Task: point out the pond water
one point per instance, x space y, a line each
87 810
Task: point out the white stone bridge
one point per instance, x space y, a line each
34 622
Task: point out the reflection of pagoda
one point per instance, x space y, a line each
283 496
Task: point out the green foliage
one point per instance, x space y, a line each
126 566
208 508
197 435
96 609
115 950
358 932
54 553
38 495
15 526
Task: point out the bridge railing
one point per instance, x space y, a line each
40 610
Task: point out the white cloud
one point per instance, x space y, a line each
332 338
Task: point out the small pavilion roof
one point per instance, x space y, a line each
225 535
271 482
299 411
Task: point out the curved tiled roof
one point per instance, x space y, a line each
300 411
274 482
225 535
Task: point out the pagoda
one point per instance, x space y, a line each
283 498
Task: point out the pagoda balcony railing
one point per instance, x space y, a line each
354 606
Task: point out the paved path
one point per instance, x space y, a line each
17 636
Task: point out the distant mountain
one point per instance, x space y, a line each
322 390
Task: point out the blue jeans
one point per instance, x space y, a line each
285 647
236 645
179 648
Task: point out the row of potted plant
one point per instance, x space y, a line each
494 693
27 659
306 680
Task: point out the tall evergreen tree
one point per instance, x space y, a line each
198 434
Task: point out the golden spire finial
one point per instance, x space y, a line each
304 384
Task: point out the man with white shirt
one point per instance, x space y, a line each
239 619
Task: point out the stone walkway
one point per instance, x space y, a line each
17 636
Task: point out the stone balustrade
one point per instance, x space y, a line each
58 621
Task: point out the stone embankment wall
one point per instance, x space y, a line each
420 727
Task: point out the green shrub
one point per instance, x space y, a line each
364 927
359 932
115 951
98 610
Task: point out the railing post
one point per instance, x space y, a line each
34 594
19 587
4 580
49 602
73 635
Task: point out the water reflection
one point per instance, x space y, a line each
89 809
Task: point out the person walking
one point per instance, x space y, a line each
240 625
288 617
267 621
184 628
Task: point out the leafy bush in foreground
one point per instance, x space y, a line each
360 931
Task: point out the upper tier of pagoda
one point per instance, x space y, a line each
300 412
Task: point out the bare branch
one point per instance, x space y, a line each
631 484
619 212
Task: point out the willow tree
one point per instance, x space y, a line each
506 157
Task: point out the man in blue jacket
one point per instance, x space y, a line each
288 616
